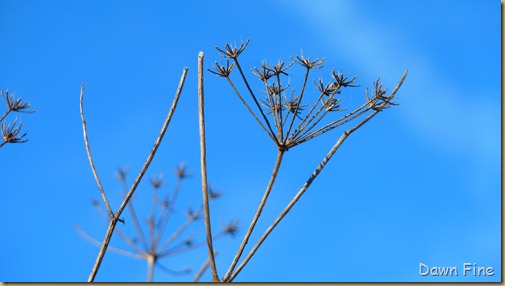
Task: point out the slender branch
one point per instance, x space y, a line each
90 158
280 132
115 218
151 259
119 232
103 249
311 179
277 165
203 161
5 114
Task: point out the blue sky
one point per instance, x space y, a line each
420 183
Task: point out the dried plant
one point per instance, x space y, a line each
288 119
288 123
152 245
11 132
116 217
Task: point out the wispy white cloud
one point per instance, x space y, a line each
439 112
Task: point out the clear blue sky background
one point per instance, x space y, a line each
418 184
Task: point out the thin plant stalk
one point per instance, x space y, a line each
277 165
150 267
90 158
115 218
203 161
307 184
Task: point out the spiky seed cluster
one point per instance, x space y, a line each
292 123
11 132
15 104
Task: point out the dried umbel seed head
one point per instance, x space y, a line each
157 181
232 52
10 132
182 172
222 70
286 121
307 63
231 228
15 105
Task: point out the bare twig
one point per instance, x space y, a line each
115 218
90 158
205 190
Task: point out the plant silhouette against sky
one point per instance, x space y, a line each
288 116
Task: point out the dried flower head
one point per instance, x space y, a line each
264 73
222 70
214 194
306 62
181 171
157 181
10 132
231 228
279 68
122 172
232 52
342 80
15 105
288 123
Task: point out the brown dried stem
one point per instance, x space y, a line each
90 158
203 161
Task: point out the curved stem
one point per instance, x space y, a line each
90 158
277 165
